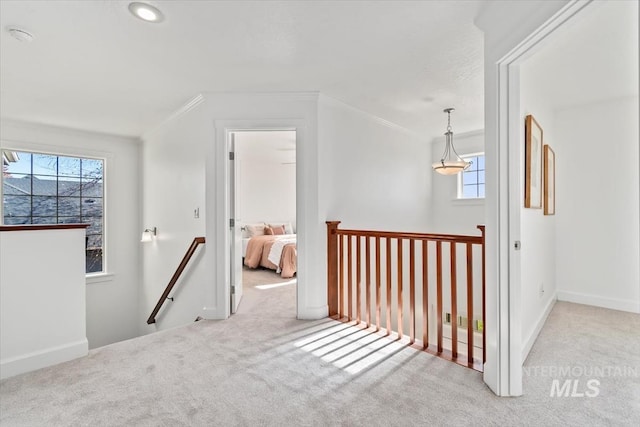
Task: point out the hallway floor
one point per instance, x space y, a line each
264 367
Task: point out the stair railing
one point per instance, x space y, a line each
366 267
183 264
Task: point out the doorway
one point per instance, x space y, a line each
513 337
262 206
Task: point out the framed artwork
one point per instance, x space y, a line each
532 164
549 181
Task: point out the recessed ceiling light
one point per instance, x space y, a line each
20 34
146 12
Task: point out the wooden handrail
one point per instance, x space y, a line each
401 300
183 264
409 236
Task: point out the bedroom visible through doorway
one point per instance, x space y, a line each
265 261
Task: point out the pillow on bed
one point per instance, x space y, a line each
288 228
255 230
278 229
268 231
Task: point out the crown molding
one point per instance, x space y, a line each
190 105
283 94
369 116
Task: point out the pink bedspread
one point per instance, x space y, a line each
258 253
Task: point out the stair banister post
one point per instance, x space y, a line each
332 267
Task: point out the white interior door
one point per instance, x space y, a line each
235 230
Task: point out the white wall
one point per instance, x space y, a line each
449 214
355 168
265 165
112 299
597 204
42 299
537 231
266 190
173 176
374 175
186 166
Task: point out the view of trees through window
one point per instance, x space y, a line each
51 189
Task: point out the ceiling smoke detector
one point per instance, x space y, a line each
20 34
146 12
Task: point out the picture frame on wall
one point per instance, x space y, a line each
533 163
549 181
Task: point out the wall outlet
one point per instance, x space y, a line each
462 322
196 213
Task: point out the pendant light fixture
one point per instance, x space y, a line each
450 163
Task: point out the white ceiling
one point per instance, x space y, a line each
591 59
94 66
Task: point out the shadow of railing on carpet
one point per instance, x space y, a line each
352 350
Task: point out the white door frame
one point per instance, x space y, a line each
235 232
503 370
222 274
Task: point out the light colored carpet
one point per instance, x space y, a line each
262 367
261 276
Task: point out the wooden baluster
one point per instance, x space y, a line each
378 284
454 302
332 267
388 285
368 279
484 325
425 294
399 302
439 292
358 277
349 279
341 267
469 303
412 291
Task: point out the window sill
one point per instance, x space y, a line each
99 278
468 202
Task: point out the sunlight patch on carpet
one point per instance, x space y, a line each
275 285
352 349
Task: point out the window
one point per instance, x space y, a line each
50 189
471 181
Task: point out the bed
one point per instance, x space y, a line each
275 251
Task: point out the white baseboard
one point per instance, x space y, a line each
43 358
528 344
313 313
212 314
599 301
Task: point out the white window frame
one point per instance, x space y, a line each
459 190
